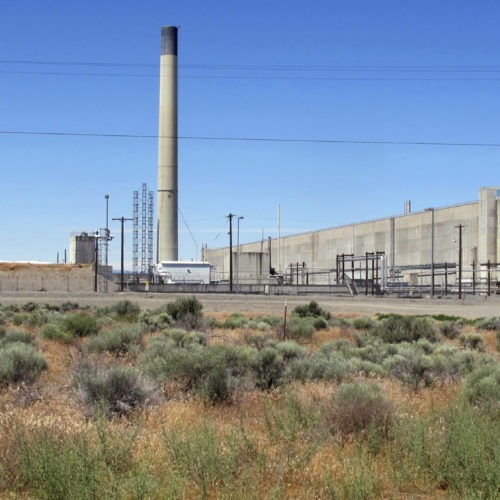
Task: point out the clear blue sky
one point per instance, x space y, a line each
386 71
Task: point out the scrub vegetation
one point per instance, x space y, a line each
120 402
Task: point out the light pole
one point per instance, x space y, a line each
106 272
240 217
122 220
230 217
460 228
432 250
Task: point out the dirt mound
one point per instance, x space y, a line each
26 277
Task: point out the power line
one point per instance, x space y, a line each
247 77
257 139
271 67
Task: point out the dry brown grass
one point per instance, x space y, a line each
302 474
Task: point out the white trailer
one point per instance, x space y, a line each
182 272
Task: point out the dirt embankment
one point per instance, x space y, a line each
32 277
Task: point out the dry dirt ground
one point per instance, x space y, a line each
20 283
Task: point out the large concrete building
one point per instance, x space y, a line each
430 247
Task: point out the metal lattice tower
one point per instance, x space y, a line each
150 229
144 228
135 243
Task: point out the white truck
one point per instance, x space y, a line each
170 272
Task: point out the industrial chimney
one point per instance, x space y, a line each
167 148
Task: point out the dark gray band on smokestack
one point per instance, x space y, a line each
169 41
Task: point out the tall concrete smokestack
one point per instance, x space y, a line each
167 148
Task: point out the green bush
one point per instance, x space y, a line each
468 459
290 350
212 371
17 336
333 368
359 407
488 323
186 312
450 329
412 367
53 331
300 328
311 310
155 320
268 367
69 306
181 338
115 390
396 329
80 325
20 362
125 310
482 388
472 341
363 323
236 320
122 339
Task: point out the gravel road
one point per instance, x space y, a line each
470 307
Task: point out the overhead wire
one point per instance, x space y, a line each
255 139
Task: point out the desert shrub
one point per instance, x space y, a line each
363 323
80 325
411 365
320 323
472 341
300 328
211 371
186 312
20 362
488 323
2 331
367 368
482 388
69 306
215 385
259 341
236 320
405 329
498 341
359 407
467 459
257 324
115 390
182 338
155 320
330 368
125 310
450 329
29 306
53 331
17 336
311 310
268 367
214 463
290 350
37 317
120 340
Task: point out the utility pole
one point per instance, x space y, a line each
460 228
96 263
122 220
106 272
230 217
